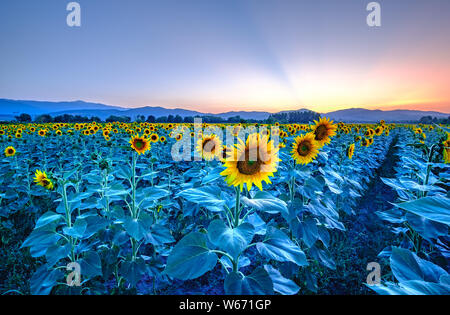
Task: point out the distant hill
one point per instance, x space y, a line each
366 115
15 107
11 108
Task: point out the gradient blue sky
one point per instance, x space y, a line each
221 55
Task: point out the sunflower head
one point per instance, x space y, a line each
251 163
209 147
10 151
323 130
154 137
305 149
350 151
43 180
140 144
446 151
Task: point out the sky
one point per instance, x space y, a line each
224 55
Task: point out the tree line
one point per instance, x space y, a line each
288 117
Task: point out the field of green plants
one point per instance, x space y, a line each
323 208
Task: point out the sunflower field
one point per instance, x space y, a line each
171 209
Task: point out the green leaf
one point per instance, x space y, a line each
407 266
232 241
48 218
281 284
257 283
39 241
278 246
136 228
158 235
91 265
77 230
190 258
432 208
133 270
264 201
44 279
205 196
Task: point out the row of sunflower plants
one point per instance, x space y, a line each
102 221
257 236
420 218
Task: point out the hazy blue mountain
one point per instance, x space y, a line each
366 115
15 107
11 108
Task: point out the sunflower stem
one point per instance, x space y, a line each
237 211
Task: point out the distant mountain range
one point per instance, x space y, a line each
11 108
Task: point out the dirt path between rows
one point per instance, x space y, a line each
366 235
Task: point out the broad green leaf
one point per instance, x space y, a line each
91 265
406 266
48 218
44 279
278 246
190 258
257 283
231 240
264 201
281 284
205 196
432 208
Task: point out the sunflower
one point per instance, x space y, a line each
209 147
42 132
162 139
365 142
179 137
251 163
18 135
305 149
42 179
140 144
351 151
379 130
323 130
10 151
446 152
154 137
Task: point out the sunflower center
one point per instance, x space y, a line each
248 167
10 151
304 148
209 146
139 144
321 132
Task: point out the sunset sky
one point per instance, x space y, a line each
223 55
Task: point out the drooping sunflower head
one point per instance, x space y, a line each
251 163
209 147
140 144
379 130
43 180
365 142
305 149
323 130
350 151
10 151
446 151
